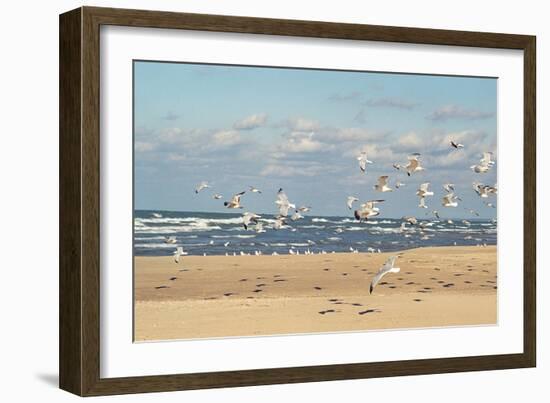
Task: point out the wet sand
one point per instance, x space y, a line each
219 296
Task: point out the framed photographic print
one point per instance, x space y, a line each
250 201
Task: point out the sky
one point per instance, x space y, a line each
302 130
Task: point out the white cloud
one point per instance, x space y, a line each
301 124
142 146
300 142
457 112
285 170
226 138
251 122
410 141
391 103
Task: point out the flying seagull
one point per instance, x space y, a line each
449 187
296 216
259 228
279 223
254 190
170 240
423 190
363 161
350 201
399 184
382 185
411 220
201 186
304 209
449 200
283 203
385 269
456 145
485 163
367 210
250 218
217 196
156 215
177 253
235 201
396 166
414 164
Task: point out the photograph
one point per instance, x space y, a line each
274 200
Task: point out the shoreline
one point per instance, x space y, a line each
219 296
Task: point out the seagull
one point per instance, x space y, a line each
422 203
217 196
226 244
382 185
260 228
296 216
249 218
413 164
367 210
485 163
472 211
350 201
201 186
156 215
449 187
456 145
490 205
363 161
283 203
397 166
177 253
411 220
399 184
449 200
466 222
423 190
484 190
304 209
436 214
254 190
170 240
279 223
385 269
235 201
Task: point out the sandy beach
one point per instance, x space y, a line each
219 296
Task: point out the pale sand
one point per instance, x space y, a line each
194 304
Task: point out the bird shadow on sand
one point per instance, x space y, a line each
49 379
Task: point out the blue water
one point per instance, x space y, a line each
200 233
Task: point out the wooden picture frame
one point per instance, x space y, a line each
79 346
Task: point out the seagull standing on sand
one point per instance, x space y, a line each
414 164
367 210
283 203
385 269
177 253
382 185
363 161
235 201
250 218
350 201
201 186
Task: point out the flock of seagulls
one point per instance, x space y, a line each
414 165
288 211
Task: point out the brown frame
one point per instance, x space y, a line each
79 201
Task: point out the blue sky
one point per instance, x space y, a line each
237 126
